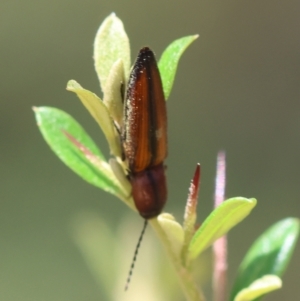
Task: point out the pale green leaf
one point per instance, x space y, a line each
219 222
173 231
111 43
259 287
100 113
113 94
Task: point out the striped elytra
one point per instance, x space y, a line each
144 135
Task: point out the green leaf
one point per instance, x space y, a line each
169 60
259 287
269 254
219 222
173 231
53 124
113 97
111 43
100 113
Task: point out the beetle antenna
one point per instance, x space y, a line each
135 254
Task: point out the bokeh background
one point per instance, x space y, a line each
237 89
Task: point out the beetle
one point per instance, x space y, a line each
144 139
144 135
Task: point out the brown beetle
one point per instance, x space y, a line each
144 135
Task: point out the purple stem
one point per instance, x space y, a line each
220 246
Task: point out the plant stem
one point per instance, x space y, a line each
220 246
186 280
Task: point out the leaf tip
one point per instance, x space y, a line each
253 201
192 200
259 287
72 85
37 117
165 216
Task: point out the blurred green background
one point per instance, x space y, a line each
237 89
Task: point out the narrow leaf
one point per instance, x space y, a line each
111 43
269 254
169 60
100 113
190 214
53 124
102 166
113 95
219 222
259 287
